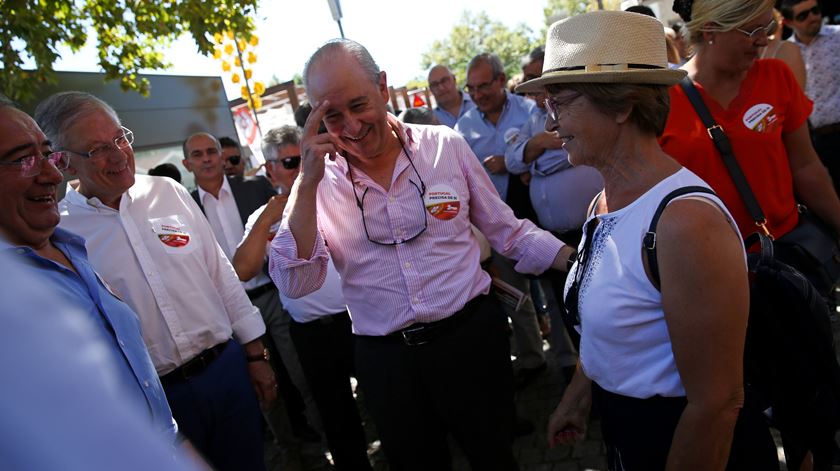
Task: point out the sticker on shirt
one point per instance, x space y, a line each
442 202
511 136
761 118
173 234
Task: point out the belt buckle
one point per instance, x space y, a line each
413 336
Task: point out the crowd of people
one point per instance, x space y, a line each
412 256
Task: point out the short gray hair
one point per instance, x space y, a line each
278 137
348 46
184 144
492 59
59 110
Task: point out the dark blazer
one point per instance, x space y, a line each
249 193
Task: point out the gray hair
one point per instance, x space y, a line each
278 137
59 110
347 46
538 54
489 58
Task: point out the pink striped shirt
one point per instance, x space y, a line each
388 288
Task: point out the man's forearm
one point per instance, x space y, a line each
302 220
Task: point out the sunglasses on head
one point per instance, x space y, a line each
803 15
234 159
288 163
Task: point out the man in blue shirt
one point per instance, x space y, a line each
29 176
452 103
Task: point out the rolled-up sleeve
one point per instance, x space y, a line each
515 151
533 248
294 276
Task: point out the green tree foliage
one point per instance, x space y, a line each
130 35
476 33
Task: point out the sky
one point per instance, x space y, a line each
395 32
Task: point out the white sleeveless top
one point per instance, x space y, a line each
625 346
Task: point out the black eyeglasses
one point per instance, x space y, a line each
234 159
571 300
803 15
421 191
481 87
553 105
288 163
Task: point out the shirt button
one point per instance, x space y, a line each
391 199
415 300
146 384
408 264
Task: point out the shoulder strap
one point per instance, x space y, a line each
649 241
723 145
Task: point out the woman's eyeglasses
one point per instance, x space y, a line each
768 30
571 300
553 105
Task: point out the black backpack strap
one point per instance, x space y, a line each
723 145
649 241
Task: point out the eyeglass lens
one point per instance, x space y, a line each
291 162
803 15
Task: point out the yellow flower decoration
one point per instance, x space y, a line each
217 37
255 40
244 92
226 66
237 62
228 49
234 78
242 44
251 57
259 88
248 74
217 53
229 34
257 103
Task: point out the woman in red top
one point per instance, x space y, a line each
760 107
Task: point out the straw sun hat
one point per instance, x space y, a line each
605 47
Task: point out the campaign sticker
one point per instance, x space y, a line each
174 234
761 118
442 202
511 136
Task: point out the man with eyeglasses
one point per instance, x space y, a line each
391 205
452 103
820 46
232 157
56 258
151 243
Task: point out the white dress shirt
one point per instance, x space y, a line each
159 255
327 300
226 223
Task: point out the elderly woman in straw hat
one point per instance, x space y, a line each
664 370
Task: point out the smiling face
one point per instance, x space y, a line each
111 173
204 159
487 91
281 177
587 132
28 210
443 86
357 115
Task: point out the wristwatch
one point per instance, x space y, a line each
262 357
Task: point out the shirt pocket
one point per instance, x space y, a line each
174 234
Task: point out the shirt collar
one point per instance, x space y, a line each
224 189
75 198
58 235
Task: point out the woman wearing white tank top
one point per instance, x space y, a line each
663 365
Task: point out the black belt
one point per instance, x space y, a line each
827 129
259 291
421 333
193 367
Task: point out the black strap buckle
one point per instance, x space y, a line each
417 335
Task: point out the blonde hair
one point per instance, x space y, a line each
725 15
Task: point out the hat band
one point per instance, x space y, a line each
604 67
